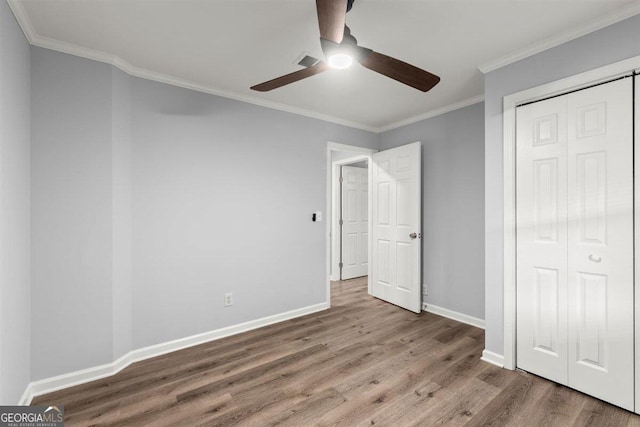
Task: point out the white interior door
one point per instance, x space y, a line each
575 241
355 222
395 231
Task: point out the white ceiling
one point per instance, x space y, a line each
226 46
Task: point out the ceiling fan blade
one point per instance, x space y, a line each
291 77
331 19
400 71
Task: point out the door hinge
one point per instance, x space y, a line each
341 222
340 265
341 180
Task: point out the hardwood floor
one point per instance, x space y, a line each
363 362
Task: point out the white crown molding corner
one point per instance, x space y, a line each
23 20
59 382
454 315
493 358
433 113
604 21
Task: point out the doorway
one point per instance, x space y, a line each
393 250
337 155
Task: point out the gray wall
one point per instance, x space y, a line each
151 201
122 211
15 245
606 46
452 206
223 197
72 213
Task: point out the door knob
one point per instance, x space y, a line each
595 258
414 235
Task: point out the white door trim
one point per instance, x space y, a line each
362 153
509 179
636 220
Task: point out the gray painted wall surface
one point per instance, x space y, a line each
216 194
452 206
15 222
72 214
603 47
122 212
223 193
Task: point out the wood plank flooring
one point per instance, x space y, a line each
361 363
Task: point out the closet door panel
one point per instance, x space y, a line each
600 242
542 239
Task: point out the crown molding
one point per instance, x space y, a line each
36 40
71 49
134 71
604 21
432 113
48 43
23 19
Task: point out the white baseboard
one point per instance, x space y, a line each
48 385
460 317
493 358
27 396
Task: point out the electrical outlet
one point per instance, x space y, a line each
228 299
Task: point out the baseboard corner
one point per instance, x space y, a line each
27 396
493 358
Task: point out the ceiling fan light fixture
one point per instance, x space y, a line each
340 61
341 50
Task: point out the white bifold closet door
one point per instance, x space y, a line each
575 298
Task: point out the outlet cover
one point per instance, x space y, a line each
228 299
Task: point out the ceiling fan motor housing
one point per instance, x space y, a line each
348 46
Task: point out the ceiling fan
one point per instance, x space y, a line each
341 49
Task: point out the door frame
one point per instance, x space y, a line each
636 237
579 81
336 203
362 153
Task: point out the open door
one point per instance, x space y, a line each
395 226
